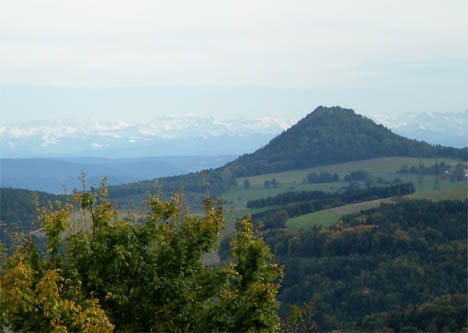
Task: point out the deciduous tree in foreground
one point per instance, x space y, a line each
138 276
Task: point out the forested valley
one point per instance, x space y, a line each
401 267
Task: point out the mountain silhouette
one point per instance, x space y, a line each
331 135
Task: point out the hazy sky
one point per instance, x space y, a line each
136 60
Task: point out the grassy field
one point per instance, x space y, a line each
387 168
357 207
232 215
323 217
378 167
454 193
327 217
237 196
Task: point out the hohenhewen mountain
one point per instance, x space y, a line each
172 135
327 135
333 135
449 128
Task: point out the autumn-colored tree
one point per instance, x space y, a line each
111 273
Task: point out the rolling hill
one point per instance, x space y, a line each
331 135
325 136
328 135
18 213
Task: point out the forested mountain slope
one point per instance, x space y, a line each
17 211
325 136
333 135
378 265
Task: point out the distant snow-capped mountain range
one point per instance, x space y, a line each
448 129
194 135
170 135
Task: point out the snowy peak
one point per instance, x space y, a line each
164 127
65 136
450 128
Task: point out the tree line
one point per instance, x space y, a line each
454 173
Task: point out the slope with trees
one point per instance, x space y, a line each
333 135
18 212
379 265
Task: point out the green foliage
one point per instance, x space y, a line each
139 276
273 182
250 301
278 220
445 313
381 260
357 176
42 300
457 173
322 177
195 185
18 213
454 173
288 197
300 319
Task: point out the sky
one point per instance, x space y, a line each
138 60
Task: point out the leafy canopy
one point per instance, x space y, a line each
101 272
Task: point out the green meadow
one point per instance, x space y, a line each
235 199
379 167
323 217
453 193
327 217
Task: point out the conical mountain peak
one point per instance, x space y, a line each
332 135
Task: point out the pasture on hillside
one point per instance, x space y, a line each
327 217
387 168
379 167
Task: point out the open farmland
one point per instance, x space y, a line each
323 217
327 217
237 196
386 168
453 193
